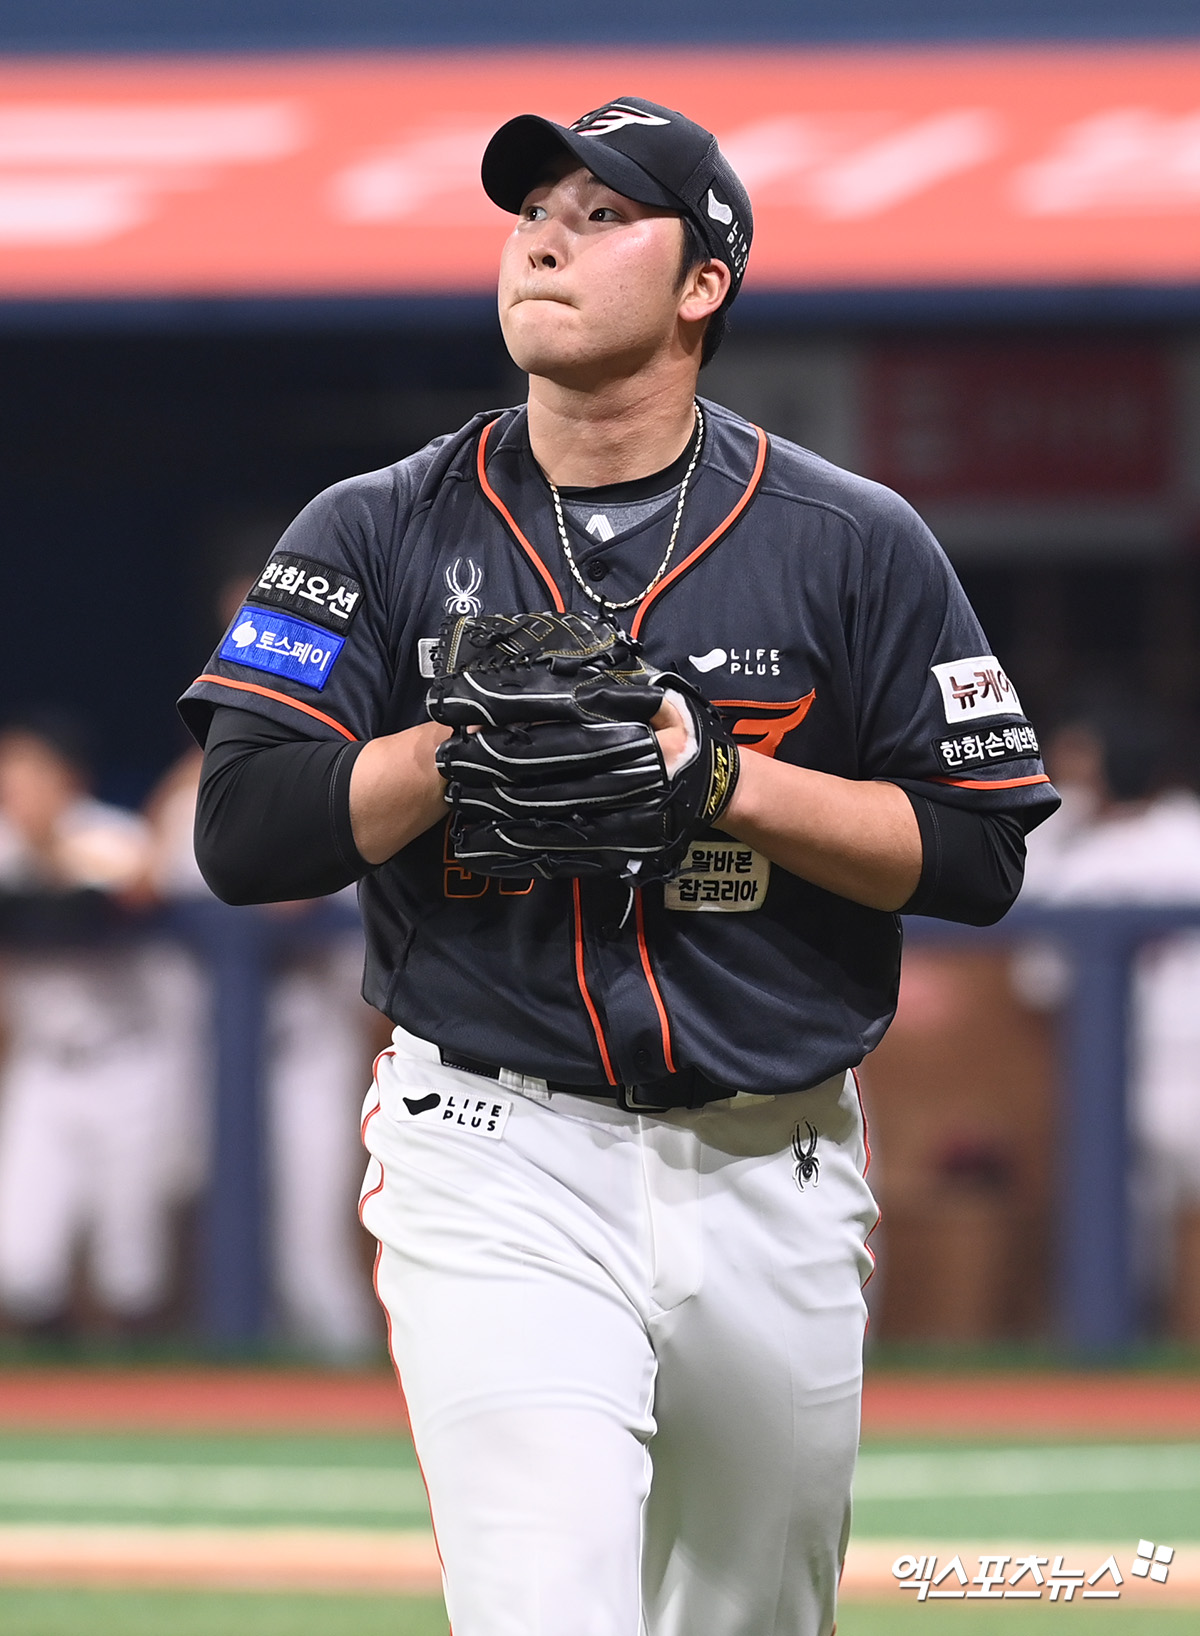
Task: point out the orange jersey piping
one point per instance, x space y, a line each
391 1350
644 952
992 783
392 1356
762 704
281 698
722 528
521 539
581 979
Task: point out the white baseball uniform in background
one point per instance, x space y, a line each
581 1299
1146 853
92 1148
316 1051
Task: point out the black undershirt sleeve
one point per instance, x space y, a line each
273 824
273 812
972 863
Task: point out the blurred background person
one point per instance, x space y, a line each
91 1155
318 1060
318 1050
1129 832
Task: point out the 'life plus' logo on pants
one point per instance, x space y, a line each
475 1115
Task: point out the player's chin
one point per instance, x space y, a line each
540 333
552 362
574 355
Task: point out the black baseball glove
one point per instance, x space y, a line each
553 768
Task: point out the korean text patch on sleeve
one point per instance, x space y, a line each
975 688
287 647
313 590
1012 742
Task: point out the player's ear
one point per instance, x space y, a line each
704 289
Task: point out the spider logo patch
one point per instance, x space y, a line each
463 579
807 1167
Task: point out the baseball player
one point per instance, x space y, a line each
316 1046
637 727
1135 838
90 1119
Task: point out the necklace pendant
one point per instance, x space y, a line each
607 607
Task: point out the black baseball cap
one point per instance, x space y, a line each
643 150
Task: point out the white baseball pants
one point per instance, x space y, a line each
631 1347
96 1113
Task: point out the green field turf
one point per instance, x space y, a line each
1046 1493
215 1613
939 1493
179 1613
263 1481
1008 1621
903 1491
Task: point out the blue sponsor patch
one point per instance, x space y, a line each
290 647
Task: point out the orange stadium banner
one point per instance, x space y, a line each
358 175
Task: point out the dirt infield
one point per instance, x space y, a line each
187 1400
325 1559
895 1405
1135 1406
405 1562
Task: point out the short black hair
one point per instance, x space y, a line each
694 254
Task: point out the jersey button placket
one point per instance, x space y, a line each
618 982
597 569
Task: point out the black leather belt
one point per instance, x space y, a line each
691 1090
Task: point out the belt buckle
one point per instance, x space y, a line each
625 1095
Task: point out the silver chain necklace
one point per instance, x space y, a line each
662 567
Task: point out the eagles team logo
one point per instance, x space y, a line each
463 579
603 121
761 725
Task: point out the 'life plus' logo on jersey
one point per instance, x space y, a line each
463 580
974 688
288 647
741 661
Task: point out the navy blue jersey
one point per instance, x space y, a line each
812 607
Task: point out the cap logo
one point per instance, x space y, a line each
603 121
718 211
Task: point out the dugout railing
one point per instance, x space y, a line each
1092 1284
1092 1265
